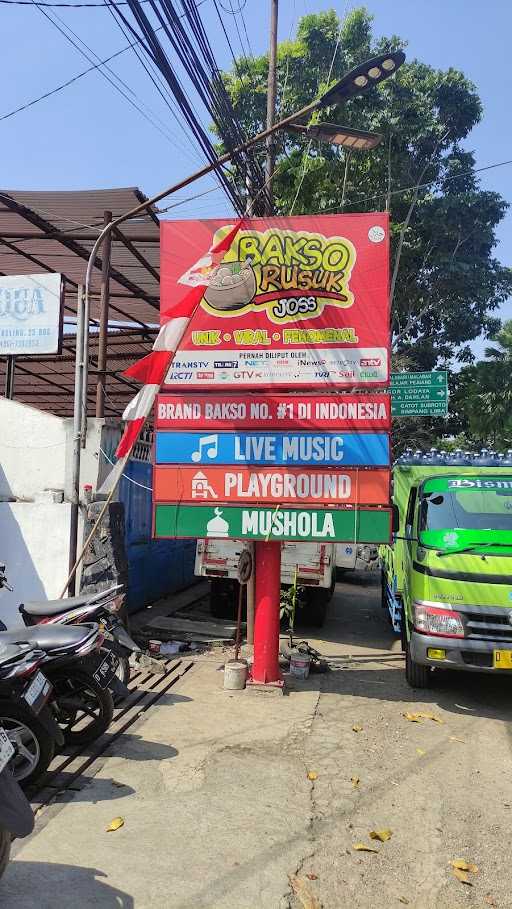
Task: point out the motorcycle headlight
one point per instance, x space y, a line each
430 618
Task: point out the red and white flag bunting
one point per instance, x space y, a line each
152 369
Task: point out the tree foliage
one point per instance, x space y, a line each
449 282
482 397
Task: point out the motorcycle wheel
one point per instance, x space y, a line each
84 708
35 746
5 849
123 670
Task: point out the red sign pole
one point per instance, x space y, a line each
265 668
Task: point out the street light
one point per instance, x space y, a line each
362 78
358 81
354 139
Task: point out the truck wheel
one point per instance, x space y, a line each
340 573
418 676
223 599
330 590
314 611
403 628
383 590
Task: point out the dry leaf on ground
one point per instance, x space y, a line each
312 877
382 835
355 781
301 889
357 728
312 775
453 738
115 824
418 717
362 847
462 876
420 752
404 900
463 865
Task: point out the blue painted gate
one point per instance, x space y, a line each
155 567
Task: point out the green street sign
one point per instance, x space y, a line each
419 379
415 394
330 525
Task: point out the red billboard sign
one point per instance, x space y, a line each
262 485
273 411
299 302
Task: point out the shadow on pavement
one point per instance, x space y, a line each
25 884
462 693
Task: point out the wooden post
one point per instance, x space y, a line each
103 335
77 416
9 377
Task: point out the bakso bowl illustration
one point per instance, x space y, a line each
231 286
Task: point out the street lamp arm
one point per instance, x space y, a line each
357 81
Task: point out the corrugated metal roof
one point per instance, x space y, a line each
54 231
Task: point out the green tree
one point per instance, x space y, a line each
482 401
448 283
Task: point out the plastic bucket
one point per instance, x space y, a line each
299 664
235 675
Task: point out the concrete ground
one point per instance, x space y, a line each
219 812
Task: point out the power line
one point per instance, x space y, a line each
78 76
66 5
407 189
137 104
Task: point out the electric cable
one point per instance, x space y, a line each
85 54
78 76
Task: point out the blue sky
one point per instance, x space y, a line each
89 136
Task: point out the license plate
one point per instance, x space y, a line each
502 659
38 692
6 749
107 669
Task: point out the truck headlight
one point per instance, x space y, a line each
437 619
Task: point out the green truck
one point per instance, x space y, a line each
447 577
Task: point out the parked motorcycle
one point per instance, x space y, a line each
25 714
102 607
80 673
16 817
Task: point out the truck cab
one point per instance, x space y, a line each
447 578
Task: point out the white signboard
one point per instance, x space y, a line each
30 314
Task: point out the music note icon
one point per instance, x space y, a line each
211 451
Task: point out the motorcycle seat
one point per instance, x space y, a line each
48 637
53 607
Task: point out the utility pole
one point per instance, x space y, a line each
271 106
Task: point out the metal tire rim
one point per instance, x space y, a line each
28 751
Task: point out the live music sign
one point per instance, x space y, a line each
273 411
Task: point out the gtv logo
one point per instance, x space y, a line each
21 303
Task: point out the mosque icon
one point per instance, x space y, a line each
217 526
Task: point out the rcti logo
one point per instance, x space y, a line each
21 303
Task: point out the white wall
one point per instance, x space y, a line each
36 453
32 450
34 545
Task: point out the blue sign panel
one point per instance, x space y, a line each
349 449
